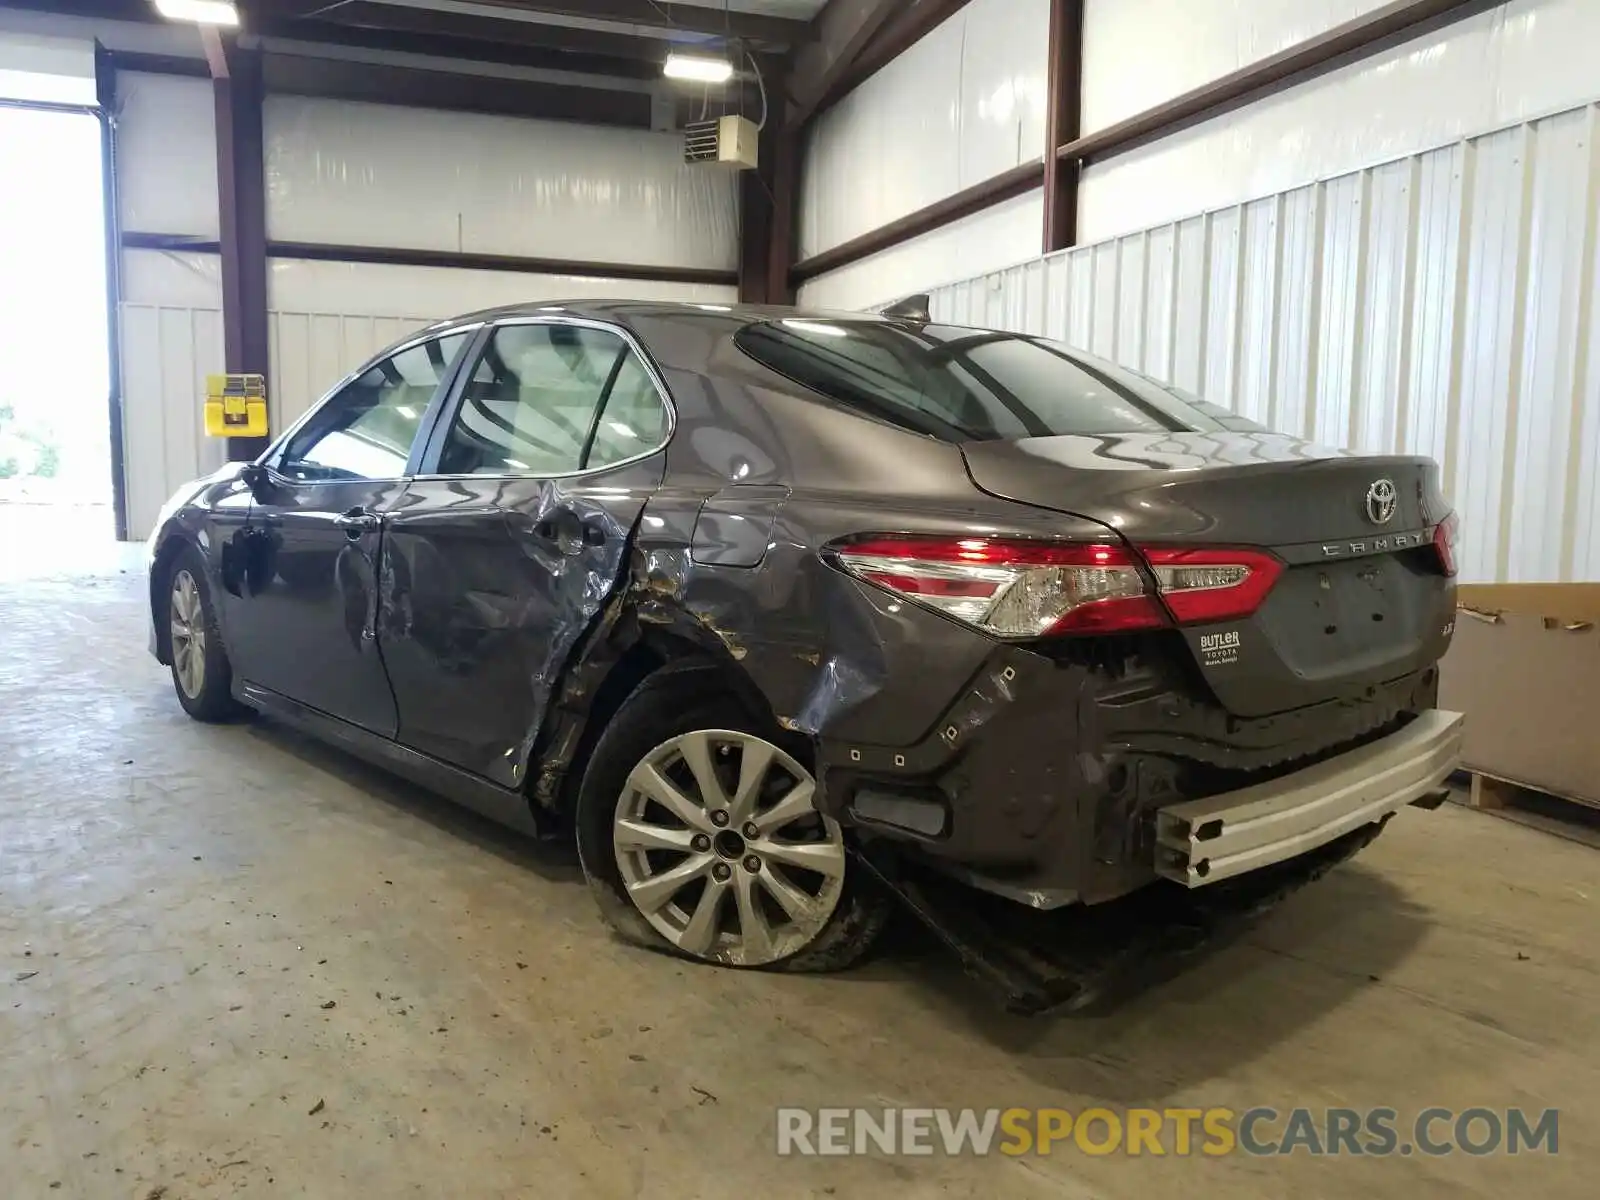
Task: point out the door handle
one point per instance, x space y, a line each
356 522
562 530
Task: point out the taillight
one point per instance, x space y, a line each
1212 585
1444 542
1011 588
1018 588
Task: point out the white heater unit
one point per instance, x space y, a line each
728 141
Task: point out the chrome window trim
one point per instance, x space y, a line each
662 394
428 335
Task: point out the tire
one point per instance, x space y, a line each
201 673
765 910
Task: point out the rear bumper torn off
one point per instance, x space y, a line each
1203 841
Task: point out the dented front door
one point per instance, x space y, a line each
488 586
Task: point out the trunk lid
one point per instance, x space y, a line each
1361 600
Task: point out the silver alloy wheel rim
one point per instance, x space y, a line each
722 850
188 635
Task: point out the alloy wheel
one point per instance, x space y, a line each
721 848
188 635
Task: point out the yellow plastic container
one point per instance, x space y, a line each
236 406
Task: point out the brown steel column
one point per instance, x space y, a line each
1063 114
785 180
756 197
241 195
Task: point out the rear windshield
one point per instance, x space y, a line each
963 385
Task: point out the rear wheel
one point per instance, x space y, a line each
700 834
201 674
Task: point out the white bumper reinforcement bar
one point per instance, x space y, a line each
1203 841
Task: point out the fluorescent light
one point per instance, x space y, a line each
406 411
622 429
698 68
521 466
204 12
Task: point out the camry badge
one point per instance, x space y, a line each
1382 499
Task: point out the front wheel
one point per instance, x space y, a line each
700 835
201 674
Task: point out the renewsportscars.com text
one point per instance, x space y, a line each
1260 1131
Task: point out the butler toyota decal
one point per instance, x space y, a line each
1220 649
1157 1132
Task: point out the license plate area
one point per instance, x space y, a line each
1333 619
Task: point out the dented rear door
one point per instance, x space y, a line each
499 558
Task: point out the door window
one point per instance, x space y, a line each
366 430
634 419
552 399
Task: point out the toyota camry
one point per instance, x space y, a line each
754 603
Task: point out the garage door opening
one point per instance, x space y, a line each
55 453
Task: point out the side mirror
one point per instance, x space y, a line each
255 478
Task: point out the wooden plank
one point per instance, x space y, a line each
1571 817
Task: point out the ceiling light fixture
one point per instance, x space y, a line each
698 68
202 12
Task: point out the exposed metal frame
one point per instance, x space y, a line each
1063 114
913 23
105 86
839 35
1394 24
465 260
238 96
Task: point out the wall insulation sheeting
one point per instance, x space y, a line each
343 173
166 155
1002 234
964 104
1515 62
1441 304
1141 53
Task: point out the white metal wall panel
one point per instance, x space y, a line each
166 155
1520 60
1006 233
166 354
964 104
380 175
1441 304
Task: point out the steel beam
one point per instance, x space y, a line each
838 35
1064 106
242 202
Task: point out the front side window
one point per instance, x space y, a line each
366 430
973 385
553 399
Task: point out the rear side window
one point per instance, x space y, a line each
552 399
973 385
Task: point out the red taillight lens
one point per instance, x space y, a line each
1011 587
1444 542
1211 584
1017 588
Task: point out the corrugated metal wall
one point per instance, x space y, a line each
1440 304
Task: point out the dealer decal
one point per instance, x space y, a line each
1219 649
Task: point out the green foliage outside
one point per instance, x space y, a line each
26 450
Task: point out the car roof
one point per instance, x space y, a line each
625 310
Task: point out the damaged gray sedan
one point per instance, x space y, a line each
767 609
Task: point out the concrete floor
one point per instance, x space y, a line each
234 962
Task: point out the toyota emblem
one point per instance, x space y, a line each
1382 499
